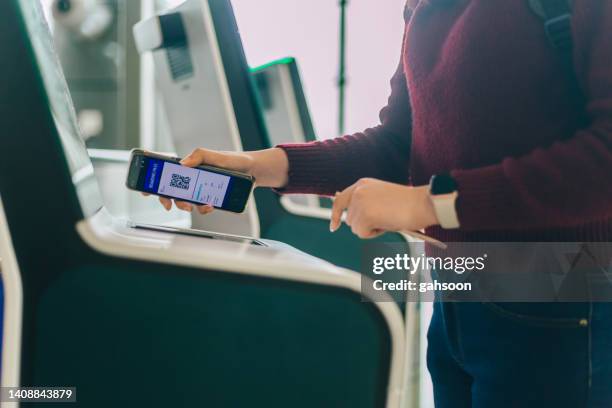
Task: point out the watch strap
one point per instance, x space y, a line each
444 206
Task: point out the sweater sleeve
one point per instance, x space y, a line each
568 183
325 167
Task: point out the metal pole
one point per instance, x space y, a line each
342 68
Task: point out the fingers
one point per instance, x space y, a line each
145 194
360 228
341 202
194 158
338 207
203 156
371 234
205 209
182 205
357 202
185 206
166 202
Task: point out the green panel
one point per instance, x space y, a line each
310 235
280 61
161 337
325 202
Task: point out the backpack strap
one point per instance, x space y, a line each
557 18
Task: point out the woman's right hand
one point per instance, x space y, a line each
269 168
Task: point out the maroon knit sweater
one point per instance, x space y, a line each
490 103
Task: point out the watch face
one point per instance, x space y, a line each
442 184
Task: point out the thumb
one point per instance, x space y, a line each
192 160
203 156
224 160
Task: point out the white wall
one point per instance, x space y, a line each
308 30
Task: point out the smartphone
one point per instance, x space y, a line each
164 176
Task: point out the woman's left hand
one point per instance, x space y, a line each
374 207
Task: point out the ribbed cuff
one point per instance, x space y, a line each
311 169
485 200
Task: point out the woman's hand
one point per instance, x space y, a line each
374 207
269 168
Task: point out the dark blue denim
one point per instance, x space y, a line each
521 355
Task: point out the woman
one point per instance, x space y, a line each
481 101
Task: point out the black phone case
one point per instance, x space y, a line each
176 160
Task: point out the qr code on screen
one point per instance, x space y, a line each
178 181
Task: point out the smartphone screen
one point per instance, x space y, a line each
190 184
200 186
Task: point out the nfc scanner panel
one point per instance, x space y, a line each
155 316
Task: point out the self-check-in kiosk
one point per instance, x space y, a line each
285 110
283 102
141 315
211 101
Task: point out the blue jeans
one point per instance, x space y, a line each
497 355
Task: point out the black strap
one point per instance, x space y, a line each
557 18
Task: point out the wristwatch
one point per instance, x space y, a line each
443 194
